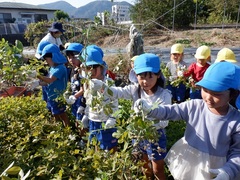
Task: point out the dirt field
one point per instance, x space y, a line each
213 37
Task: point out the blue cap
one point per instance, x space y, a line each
76 47
40 47
221 77
92 56
147 63
57 56
97 48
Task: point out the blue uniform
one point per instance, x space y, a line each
57 88
75 87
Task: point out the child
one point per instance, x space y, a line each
149 87
109 73
56 80
53 36
226 54
44 71
40 47
196 70
211 143
76 99
96 69
176 64
132 76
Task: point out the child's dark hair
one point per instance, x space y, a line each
160 80
47 55
233 97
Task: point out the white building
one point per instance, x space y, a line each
120 13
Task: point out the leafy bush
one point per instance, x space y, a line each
30 138
11 62
33 142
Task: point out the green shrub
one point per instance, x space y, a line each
30 138
11 62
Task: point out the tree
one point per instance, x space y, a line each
97 20
61 15
223 11
160 13
107 17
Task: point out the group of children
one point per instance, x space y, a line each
210 147
192 73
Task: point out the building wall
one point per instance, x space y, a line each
27 16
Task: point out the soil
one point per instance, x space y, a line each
215 38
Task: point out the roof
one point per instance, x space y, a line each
12 5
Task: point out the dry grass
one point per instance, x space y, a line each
215 37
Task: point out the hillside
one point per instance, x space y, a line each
62 5
88 11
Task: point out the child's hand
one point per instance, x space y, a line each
142 106
71 99
95 84
220 174
66 94
85 121
80 110
33 84
110 123
32 74
180 73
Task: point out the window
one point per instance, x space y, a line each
6 18
26 18
40 17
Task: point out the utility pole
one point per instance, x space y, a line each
195 21
238 16
224 14
174 8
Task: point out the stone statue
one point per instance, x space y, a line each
135 46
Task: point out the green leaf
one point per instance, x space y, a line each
13 170
5 178
109 91
19 45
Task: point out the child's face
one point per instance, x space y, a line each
95 71
217 102
176 57
132 64
202 62
74 61
57 34
49 61
147 81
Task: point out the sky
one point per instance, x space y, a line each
75 3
